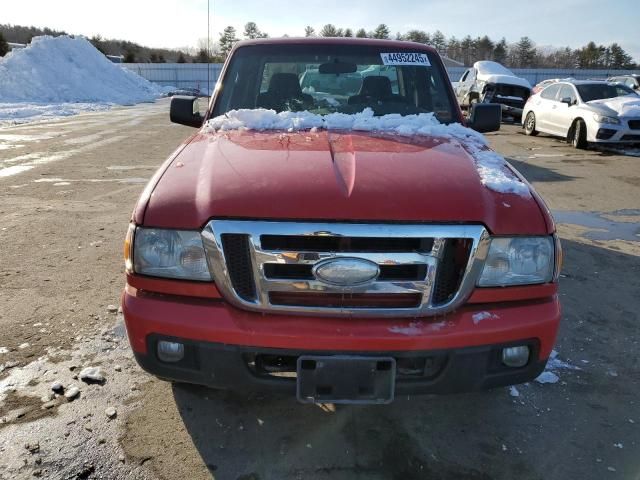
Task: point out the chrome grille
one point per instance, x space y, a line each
268 266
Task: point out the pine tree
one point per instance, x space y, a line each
4 46
129 57
418 36
453 49
619 59
382 31
348 32
362 33
439 41
202 56
181 58
309 31
525 52
485 48
251 31
329 30
227 40
500 51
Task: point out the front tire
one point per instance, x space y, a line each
579 135
530 125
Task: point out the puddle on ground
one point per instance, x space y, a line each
600 227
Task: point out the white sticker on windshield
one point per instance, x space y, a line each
419 59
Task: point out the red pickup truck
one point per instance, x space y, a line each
334 230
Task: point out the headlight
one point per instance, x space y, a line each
518 261
603 119
170 254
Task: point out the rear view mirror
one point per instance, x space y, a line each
185 111
337 68
567 100
485 117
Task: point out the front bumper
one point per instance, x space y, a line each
222 340
608 133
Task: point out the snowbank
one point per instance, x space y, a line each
492 168
64 75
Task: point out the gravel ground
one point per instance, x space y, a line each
64 205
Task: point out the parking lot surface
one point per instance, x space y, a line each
67 189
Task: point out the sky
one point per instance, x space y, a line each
181 23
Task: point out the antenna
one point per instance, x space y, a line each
208 49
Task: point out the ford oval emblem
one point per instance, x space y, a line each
345 271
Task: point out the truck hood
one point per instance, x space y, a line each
326 175
627 106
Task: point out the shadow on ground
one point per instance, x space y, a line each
554 431
536 173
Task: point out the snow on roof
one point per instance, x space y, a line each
64 69
486 67
492 168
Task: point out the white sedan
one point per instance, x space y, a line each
584 111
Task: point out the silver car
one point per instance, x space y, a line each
584 111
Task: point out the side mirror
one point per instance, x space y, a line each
184 110
567 100
485 117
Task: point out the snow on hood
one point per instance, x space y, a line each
627 106
492 168
505 79
68 70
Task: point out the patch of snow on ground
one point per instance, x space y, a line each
62 76
513 391
553 365
547 377
492 168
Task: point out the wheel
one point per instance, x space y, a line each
579 137
530 124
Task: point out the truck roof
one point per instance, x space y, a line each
335 41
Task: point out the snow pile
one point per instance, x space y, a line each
492 168
64 75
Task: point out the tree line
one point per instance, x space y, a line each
522 54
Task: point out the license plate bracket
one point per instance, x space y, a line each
346 379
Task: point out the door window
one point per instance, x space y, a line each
550 92
566 91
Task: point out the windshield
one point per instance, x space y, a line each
324 79
601 91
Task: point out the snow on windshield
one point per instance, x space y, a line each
492 168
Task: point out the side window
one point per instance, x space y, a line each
566 91
550 92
